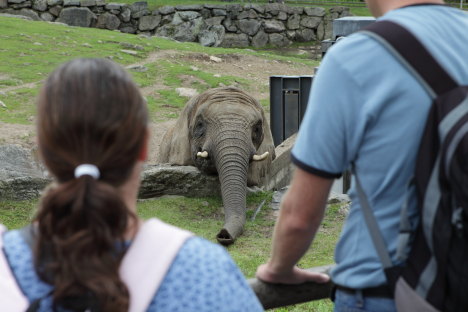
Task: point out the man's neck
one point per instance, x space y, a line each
389 5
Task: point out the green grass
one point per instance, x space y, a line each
204 217
29 51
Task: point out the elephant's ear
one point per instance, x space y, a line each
175 145
258 170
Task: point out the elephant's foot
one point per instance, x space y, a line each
224 238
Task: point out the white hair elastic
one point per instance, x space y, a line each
87 169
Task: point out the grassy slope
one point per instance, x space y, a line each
30 50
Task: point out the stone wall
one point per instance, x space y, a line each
230 25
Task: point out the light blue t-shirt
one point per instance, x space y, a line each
202 277
366 108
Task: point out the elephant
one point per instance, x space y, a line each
223 131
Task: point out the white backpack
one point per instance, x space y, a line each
143 267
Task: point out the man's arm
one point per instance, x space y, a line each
301 213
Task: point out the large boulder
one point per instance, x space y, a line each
188 181
249 26
260 39
274 26
235 41
149 22
108 21
185 32
211 36
21 175
82 17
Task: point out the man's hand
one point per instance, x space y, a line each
294 276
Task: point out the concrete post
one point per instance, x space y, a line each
279 295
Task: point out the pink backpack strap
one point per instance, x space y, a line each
12 298
148 259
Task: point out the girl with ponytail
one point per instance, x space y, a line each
79 253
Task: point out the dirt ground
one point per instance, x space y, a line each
256 69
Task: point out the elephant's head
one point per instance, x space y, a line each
223 131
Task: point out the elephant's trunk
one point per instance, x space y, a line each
231 154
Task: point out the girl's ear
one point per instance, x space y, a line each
143 156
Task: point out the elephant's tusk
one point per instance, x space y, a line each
202 154
260 157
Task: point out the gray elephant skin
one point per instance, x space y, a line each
223 131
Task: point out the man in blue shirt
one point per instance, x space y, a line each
365 108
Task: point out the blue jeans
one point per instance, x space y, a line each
345 302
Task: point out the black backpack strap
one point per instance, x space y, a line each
413 55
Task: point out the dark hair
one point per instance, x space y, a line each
89 112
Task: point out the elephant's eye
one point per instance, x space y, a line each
199 129
257 132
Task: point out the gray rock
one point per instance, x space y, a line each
184 16
249 27
141 13
138 6
212 36
235 41
126 14
278 40
101 3
17 162
128 29
54 2
46 16
275 8
26 4
282 16
71 3
258 8
190 7
149 22
217 20
321 31
188 181
3 4
185 32
39 5
295 10
108 21
88 3
15 15
335 198
166 19
137 68
294 21
82 17
23 188
166 10
310 22
29 13
229 25
315 11
114 6
274 26
260 39
305 35
205 13
55 11
219 12
252 14
16 1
